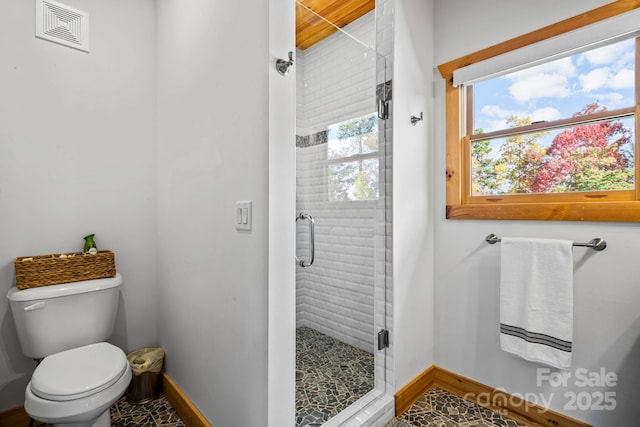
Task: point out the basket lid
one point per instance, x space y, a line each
79 372
63 289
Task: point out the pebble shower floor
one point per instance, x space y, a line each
330 375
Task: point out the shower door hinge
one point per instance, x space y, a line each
383 339
383 109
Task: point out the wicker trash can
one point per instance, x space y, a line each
146 365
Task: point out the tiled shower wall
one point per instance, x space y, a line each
336 81
337 77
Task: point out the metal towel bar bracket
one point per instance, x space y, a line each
596 244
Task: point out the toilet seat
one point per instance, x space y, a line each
79 372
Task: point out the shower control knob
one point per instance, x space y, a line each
283 66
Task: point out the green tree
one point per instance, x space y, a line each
484 173
339 181
366 186
521 158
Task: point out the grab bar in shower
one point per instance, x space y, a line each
301 261
596 244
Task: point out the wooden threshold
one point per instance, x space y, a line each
508 405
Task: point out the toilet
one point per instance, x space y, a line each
80 376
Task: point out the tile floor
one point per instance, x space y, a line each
318 397
157 413
439 408
330 375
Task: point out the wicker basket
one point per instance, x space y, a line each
44 270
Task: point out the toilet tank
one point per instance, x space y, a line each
50 319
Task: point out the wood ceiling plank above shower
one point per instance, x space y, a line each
310 28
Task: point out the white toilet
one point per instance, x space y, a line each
80 377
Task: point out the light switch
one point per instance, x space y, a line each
243 215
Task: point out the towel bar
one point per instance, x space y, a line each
596 244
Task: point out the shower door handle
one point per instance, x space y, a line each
301 261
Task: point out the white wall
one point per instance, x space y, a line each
213 136
412 190
607 295
77 156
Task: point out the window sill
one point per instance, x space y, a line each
628 211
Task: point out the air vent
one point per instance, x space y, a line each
61 24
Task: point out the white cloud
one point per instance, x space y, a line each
496 111
493 117
613 100
605 78
540 86
545 80
496 125
625 79
595 79
546 114
609 54
496 116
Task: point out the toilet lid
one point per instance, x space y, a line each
79 372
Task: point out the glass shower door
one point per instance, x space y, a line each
340 174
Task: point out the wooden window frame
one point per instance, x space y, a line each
618 206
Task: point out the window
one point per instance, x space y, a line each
352 153
554 139
559 127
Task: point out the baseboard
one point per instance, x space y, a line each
497 400
407 395
14 417
181 403
190 415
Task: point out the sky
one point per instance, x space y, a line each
558 89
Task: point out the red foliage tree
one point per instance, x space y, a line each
586 157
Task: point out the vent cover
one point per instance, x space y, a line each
61 24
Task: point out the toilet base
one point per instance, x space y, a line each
104 420
91 411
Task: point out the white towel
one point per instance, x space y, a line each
536 300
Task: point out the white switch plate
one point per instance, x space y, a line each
243 215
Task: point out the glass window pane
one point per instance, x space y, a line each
353 180
557 89
593 157
353 137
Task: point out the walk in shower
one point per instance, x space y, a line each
342 202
